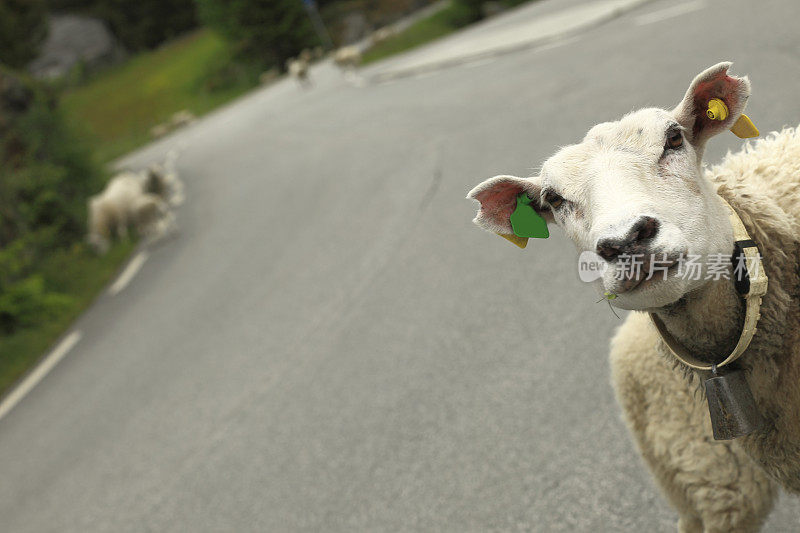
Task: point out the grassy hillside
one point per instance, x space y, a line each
120 106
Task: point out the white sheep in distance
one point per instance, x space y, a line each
381 34
122 204
163 180
638 185
141 200
347 57
298 69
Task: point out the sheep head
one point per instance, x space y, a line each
635 187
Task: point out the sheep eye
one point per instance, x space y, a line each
674 140
553 199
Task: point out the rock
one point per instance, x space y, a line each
75 40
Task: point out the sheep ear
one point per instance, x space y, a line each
693 112
498 199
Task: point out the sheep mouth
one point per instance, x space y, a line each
649 271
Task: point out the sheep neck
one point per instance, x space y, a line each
707 321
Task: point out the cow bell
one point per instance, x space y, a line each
730 402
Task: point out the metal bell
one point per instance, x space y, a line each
730 402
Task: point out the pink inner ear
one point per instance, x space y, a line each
723 87
499 201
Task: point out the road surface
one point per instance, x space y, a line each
330 345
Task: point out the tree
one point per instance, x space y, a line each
144 24
469 11
266 31
23 27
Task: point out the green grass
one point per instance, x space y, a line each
449 20
118 107
441 23
81 275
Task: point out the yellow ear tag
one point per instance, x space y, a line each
742 128
522 242
717 110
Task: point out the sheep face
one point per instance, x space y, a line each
633 193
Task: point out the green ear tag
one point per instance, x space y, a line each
526 222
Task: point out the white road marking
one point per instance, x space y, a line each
127 275
38 373
670 12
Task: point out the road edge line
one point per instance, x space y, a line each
39 372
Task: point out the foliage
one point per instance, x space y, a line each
47 274
467 11
267 32
27 302
23 27
45 178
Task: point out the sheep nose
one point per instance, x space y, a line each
609 248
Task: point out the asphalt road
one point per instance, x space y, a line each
331 345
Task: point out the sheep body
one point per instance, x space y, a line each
298 69
164 181
140 200
714 486
728 486
637 187
347 57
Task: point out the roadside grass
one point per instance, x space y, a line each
80 275
441 23
118 107
444 22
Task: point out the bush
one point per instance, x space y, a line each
46 175
267 32
467 11
23 27
27 302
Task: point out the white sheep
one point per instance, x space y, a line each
122 204
347 57
638 186
298 69
138 199
381 34
163 180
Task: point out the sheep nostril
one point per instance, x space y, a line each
645 228
608 249
612 247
